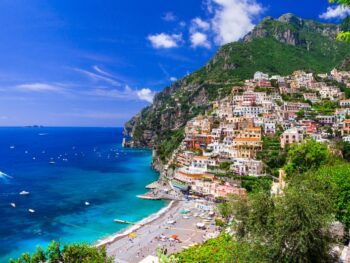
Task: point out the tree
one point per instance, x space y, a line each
39 255
53 252
291 227
71 253
338 177
345 149
307 155
301 219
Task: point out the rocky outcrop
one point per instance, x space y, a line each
292 30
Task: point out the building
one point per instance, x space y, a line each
246 166
260 76
290 136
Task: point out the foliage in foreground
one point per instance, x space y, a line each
222 249
69 253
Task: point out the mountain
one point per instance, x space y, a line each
275 46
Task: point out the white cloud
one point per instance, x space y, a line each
233 18
169 17
335 12
198 23
199 39
100 75
163 40
146 94
99 70
39 87
182 24
127 93
173 79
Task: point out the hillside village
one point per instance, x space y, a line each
239 138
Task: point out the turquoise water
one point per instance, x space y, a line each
63 168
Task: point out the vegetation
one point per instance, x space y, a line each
169 143
338 177
305 156
326 107
272 155
222 249
69 253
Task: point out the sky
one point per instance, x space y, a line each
97 63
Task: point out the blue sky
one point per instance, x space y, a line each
97 63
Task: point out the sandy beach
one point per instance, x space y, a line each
159 231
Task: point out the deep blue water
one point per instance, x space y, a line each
87 165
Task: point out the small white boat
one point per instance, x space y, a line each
87 203
24 193
34 158
52 162
12 147
13 205
31 210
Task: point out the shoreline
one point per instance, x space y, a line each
126 231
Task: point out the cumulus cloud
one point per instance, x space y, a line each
198 23
163 40
199 39
169 17
39 87
146 94
233 18
335 12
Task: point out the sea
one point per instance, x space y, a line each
78 179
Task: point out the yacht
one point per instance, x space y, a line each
24 193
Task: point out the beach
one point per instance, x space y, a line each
172 229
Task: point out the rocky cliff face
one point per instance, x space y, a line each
292 30
275 46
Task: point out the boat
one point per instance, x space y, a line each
12 147
52 162
31 210
24 193
87 203
13 205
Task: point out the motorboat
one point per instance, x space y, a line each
24 193
13 205
31 210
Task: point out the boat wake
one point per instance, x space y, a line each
4 176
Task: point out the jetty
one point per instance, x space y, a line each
149 196
124 222
153 185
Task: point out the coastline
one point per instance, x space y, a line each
126 231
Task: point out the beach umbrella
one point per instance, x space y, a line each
174 236
132 235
